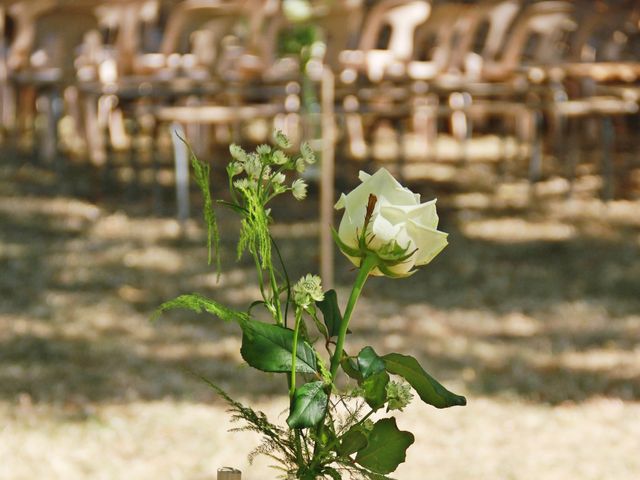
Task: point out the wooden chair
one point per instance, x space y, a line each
41 59
372 86
594 89
190 61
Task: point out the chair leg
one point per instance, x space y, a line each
7 110
573 155
608 139
156 194
535 162
133 188
50 106
327 172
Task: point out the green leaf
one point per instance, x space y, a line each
353 440
199 304
369 363
350 367
331 312
268 348
308 406
366 364
428 388
387 447
375 389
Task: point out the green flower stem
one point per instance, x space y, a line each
294 351
270 183
260 279
276 295
286 280
368 263
232 190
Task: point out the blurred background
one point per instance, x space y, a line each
520 116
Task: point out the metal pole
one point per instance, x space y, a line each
327 174
181 156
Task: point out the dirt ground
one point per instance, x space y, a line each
533 312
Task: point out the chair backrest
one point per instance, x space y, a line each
337 23
391 25
539 35
122 26
437 39
605 33
499 17
476 34
49 35
216 18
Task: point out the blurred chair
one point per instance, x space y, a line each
482 81
7 114
41 60
590 90
198 43
373 84
451 48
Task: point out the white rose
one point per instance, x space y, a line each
397 216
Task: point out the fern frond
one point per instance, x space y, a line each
201 173
277 442
199 304
254 229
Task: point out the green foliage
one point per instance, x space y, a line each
199 304
330 435
428 388
353 440
296 40
374 389
277 443
308 406
202 176
269 348
331 312
369 363
254 230
369 371
350 367
386 447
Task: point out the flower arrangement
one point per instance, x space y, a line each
385 230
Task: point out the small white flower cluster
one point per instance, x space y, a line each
398 395
265 168
307 291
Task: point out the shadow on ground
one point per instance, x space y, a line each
510 308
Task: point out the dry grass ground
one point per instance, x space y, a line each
532 312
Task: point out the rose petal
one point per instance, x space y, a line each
384 187
348 231
425 214
363 176
430 242
383 231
